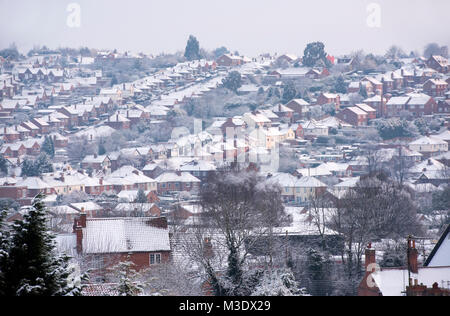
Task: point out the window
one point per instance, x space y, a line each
155 258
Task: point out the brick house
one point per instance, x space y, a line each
105 242
118 121
34 130
177 181
438 63
443 107
96 162
353 115
371 112
44 127
421 104
13 192
378 104
396 105
435 87
412 280
327 98
298 106
228 60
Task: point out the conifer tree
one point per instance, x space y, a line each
48 147
192 51
32 267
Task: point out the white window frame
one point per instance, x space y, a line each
156 259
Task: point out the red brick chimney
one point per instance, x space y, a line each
79 224
412 256
369 256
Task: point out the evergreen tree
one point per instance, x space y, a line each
192 51
315 54
4 251
48 147
141 197
43 164
28 169
363 91
318 273
32 267
289 92
127 279
220 51
35 168
101 148
233 81
3 165
340 85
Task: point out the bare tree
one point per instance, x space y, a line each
376 208
239 211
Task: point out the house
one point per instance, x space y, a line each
328 98
438 63
435 87
44 127
371 112
199 168
378 103
96 162
299 106
92 209
108 241
443 107
137 209
440 255
396 105
284 112
118 121
428 146
128 177
354 116
372 85
314 128
296 189
228 60
412 280
177 181
289 58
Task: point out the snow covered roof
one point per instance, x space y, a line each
393 282
174 177
440 255
124 235
425 140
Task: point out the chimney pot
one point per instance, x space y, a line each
369 256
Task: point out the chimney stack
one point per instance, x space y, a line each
412 256
369 256
79 224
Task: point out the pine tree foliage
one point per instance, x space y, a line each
233 81
279 282
315 55
48 147
127 278
141 197
192 51
30 265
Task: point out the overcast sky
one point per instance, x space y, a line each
249 26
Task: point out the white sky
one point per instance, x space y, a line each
249 26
